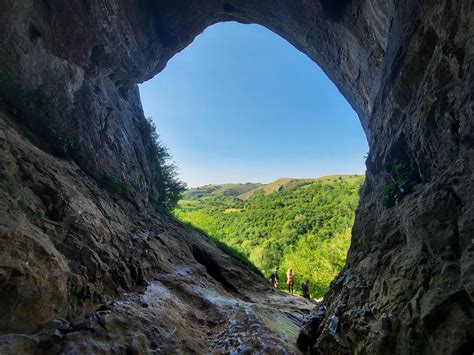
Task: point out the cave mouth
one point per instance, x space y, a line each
242 95
242 104
406 69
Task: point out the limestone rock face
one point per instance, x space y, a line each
68 76
81 273
34 282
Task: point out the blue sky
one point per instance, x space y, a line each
240 104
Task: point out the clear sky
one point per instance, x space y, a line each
240 104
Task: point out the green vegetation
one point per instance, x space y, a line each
165 181
64 144
306 226
275 186
33 107
219 190
402 185
112 183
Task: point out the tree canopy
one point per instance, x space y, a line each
306 227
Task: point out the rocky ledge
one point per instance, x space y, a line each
67 287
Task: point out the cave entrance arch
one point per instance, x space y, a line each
261 97
404 66
238 83
349 41
391 61
345 49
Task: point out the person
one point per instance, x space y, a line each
290 280
274 279
305 289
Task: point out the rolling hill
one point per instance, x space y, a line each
286 183
248 190
219 190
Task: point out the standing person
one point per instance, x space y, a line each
274 278
290 280
305 289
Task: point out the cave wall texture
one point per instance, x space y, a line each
72 68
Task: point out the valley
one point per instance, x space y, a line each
304 224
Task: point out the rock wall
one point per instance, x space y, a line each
68 75
407 286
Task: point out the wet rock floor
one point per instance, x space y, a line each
175 314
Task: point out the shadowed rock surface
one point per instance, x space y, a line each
125 283
68 75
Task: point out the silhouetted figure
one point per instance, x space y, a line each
305 289
290 280
274 278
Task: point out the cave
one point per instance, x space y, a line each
70 114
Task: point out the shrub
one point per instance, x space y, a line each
165 180
112 183
394 191
64 144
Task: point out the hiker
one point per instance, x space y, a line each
274 279
305 289
290 280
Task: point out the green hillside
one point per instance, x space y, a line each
306 226
219 190
275 186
